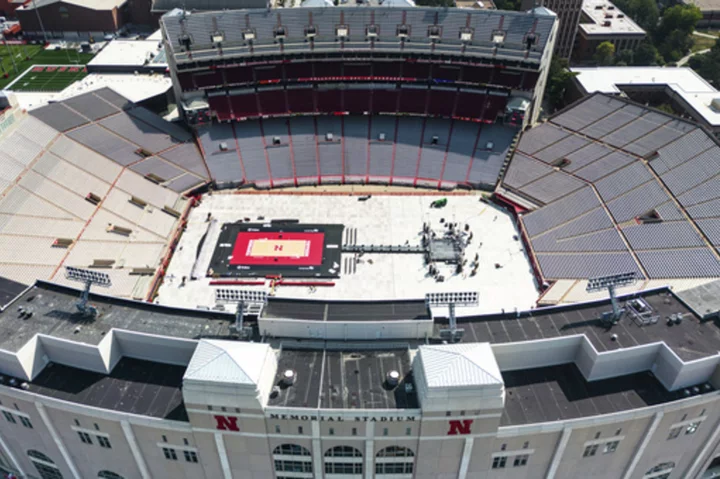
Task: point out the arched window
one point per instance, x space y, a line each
394 460
45 466
109 475
301 463
291 450
395 451
343 460
343 451
661 471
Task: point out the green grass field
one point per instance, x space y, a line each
47 78
45 81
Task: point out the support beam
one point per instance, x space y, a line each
57 440
559 451
222 453
135 449
643 445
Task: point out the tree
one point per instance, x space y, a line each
624 58
646 55
558 82
644 12
708 65
673 35
604 53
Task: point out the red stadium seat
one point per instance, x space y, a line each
470 105
357 101
272 102
477 74
209 80
329 101
529 80
385 101
327 69
269 72
420 71
238 75
443 72
494 105
300 100
298 70
354 69
442 102
186 81
412 101
244 105
220 105
387 69
508 79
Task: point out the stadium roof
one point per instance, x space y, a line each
90 4
233 25
607 19
458 365
617 188
232 362
684 82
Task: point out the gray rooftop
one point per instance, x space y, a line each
233 24
704 300
619 187
346 310
55 314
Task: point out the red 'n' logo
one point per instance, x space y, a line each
459 427
226 423
278 247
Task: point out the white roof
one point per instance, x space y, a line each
234 362
601 11
91 4
459 365
127 53
685 82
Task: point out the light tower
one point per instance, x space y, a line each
610 283
246 301
89 278
452 300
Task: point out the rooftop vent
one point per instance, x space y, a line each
342 31
223 146
249 35
381 137
466 34
102 263
93 198
561 163
403 31
598 7
372 31
621 15
607 23
171 211
498 37
611 7
651 216
310 31
715 104
118 230
217 37
328 137
489 145
62 242
138 201
435 140
288 377
280 33
276 140
530 40
154 178
143 152
185 40
608 15
434 32
392 378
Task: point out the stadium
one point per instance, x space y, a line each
358 255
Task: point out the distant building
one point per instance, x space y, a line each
72 19
162 6
710 11
568 12
601 21
681 88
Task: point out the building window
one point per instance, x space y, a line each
385 431
85 437
26 422
692 427
277 429
331 432
499 462
191 456
597 435
210 408
77 423
164 438
394 468
661 471
526 444
674 433
97 428
503 447
343 468
300 429
354 431
448 413
343 451
9 417
590 450
395 451
292 466
291 450
408 431
186 442
169 453
109 475
618 432
44 465
610 447
521 460
104 442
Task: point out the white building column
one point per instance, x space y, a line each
56 438
222 452
646 440
369 450
559 451
317 453
9 454
135 449
702 457
467 455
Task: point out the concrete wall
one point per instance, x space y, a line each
162 349
346 330
538 353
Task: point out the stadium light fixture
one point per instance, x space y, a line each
245 300
88 278
611 282
452 300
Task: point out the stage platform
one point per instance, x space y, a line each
287 249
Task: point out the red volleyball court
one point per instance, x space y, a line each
278 248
